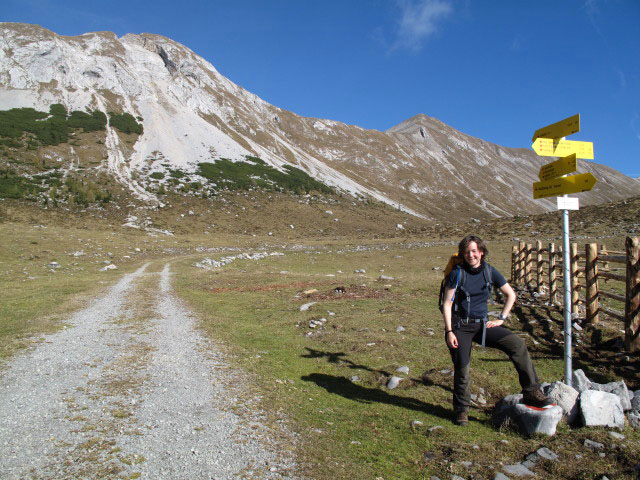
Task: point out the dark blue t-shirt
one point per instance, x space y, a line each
476 285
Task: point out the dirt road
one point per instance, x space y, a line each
130 389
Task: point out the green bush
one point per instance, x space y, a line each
125 122
257 174
58 110
48 129
89 122
157 175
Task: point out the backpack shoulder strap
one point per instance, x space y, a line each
488 269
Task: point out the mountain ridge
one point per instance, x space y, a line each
193 114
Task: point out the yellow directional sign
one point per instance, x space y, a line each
559 129
547 147
582 182
558 168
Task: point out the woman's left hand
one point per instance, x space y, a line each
494 323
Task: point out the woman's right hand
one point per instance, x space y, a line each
452 340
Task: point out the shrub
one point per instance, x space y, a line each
257 174
46 129
125 122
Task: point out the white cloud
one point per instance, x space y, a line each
622 78
419 20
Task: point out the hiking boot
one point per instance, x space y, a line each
462 418
536 398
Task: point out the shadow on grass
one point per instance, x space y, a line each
347 389
338 358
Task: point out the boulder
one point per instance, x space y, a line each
580 381
635 403
601 409
510 413
618 388
537 420
634 419
565 397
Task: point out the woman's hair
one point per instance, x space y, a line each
464 243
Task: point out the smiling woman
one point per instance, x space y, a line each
466 320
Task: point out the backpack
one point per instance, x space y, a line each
455 262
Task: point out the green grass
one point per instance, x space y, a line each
361 429
36 300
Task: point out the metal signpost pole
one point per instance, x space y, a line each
568 369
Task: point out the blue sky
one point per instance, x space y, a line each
494 69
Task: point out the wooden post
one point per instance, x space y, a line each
528 263
574 277
603 251
514 264
591 294
539 279
632 303
553 285
521 247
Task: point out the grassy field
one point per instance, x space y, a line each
328 383
356 427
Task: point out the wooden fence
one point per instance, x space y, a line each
541 270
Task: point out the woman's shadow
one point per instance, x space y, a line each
346 388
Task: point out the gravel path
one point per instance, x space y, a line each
131 390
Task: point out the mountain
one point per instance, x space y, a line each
169 120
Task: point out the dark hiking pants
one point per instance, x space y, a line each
496 337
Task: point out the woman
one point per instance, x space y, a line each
465 316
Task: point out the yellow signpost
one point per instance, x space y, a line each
549 142
558 168
560 129
583 182
548 147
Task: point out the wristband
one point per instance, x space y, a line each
448 331
502 317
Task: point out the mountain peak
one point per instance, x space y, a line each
191 115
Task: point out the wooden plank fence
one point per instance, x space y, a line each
541 270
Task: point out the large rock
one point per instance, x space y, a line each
537 420
635 403
565 397
601 409
510 413
617 388
502 414
580 381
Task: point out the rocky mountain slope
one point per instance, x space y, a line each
181 117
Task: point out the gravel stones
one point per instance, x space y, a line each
150 398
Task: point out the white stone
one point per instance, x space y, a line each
393 382
565 397
618 388
537 420
601 409
306 306
580 381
